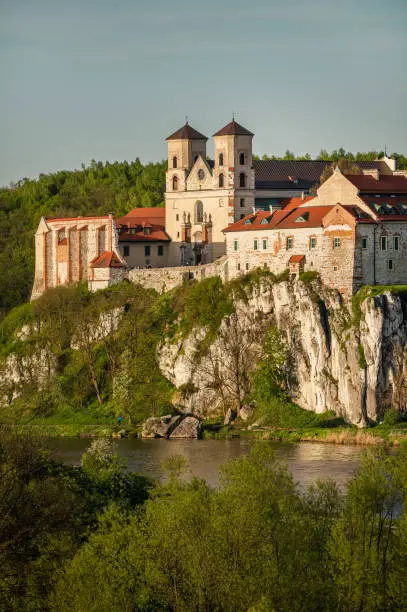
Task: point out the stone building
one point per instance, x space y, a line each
353 232
68 250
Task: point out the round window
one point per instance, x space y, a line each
201 174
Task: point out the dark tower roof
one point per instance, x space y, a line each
186 133
233 129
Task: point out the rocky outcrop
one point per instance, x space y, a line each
335 363
168 426
189 427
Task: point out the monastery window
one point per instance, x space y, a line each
247 266
337 243
390 265
201 174
242 203
235 245
264 244
177 234
335 268
221 180
241 159
177 217
198 212
238 266
147 251
175 183
396 243
364 243
126 251
242 179
160 250
220 159
174 162
383 243
255 245
221 203
61 235
312 242
148 262
290 242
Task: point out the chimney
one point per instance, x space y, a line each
390 161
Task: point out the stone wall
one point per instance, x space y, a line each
165 279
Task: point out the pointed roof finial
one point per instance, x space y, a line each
233 116
186 119
385 150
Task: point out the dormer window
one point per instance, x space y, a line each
302 218
248 221
132 231
221 180
175 183
147 231
241 159
265 221
220 159
174 162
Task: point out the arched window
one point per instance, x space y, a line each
242 179
241 159
221 180
198 212
175 183
220 159
174 161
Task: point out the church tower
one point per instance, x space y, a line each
184 147
234 168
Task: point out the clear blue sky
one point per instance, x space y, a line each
83 79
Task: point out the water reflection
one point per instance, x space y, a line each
307 462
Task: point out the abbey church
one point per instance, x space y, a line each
231 214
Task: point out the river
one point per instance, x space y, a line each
307 462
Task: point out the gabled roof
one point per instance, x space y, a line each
386 184
108 259
186 132
298 174
153 215
299 218
233 129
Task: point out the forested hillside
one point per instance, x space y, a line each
97 189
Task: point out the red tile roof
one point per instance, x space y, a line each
290 203
387 208
312 216
139 219
262 220
108 259
296 258
233 129
186 132
386 184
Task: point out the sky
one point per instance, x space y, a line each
109 80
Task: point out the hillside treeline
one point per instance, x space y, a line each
97 538
99 188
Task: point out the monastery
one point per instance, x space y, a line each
232 214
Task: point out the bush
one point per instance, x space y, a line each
392 417
309 276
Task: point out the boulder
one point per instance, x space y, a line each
230 416
246 412
160 427
189 427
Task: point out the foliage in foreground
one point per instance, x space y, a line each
253 543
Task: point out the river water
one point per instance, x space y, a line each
307 461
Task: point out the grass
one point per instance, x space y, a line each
369 291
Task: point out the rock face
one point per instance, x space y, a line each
336 363
172 427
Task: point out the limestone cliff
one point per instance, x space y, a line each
336 363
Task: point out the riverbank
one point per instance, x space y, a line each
381 435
